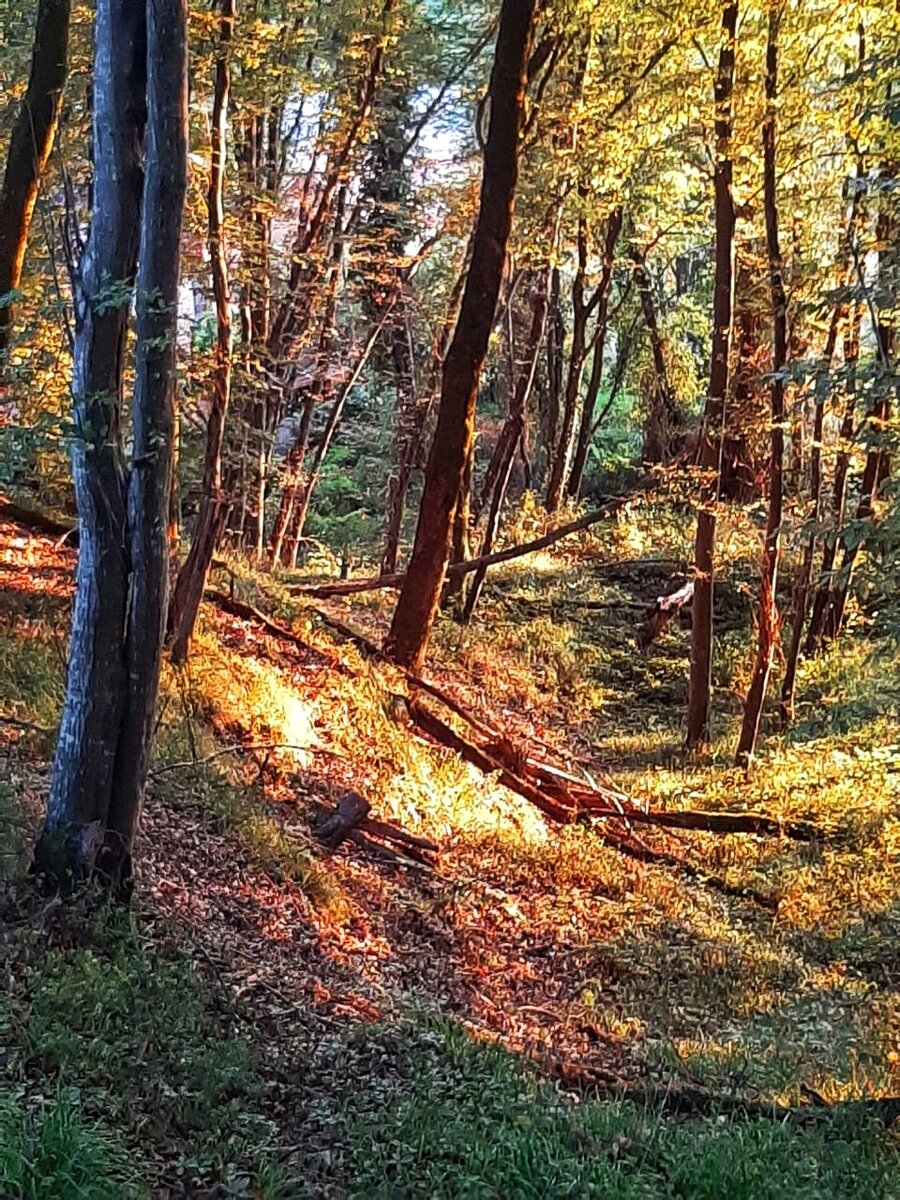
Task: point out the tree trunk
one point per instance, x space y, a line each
586 429
662 415
714 415
801 591
29 150
580 314
192 577
768 608
104 739
826 585
417 605
510 437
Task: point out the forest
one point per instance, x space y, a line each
449 599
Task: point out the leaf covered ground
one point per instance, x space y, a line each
537 1014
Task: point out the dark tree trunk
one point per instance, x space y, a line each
29 149
586 429
510 437
580 314
801 591
451 449
101 756
826 584
556 337
768 608
192 577
714 415
663 420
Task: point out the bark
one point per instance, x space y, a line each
510 438
556 336
714 415
769 623
29 149
194 573
801 591
580 314
663 418
451 449
826 583
586 429
101 755
165 187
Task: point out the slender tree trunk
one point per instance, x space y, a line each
510 437
29 149
768 608
101 755
192 577
714 415
826 585
556 336
153 419
451 449
663 418
586 429
801 592
580 314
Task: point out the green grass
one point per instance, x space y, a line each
145 1043
54 1154
459 1120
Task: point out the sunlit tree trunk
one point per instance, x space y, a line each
29 149
714 414
826 584
801 591
193 575
663 420
451 448
100 764
586 428
768 620
510 437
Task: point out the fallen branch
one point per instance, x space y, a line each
29 518
715 822
661 612
349 587
482 758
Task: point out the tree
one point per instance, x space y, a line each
29 149
768 608
714 414
193 575
140 179
451 449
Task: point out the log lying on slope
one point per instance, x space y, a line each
351 587
561 798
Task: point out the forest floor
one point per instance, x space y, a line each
534 1013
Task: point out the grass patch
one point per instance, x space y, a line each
460 1120
132 1030
52 1153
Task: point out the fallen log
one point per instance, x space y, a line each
479 757
661 612
30 518
717 822
349 587
350 812
564 799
